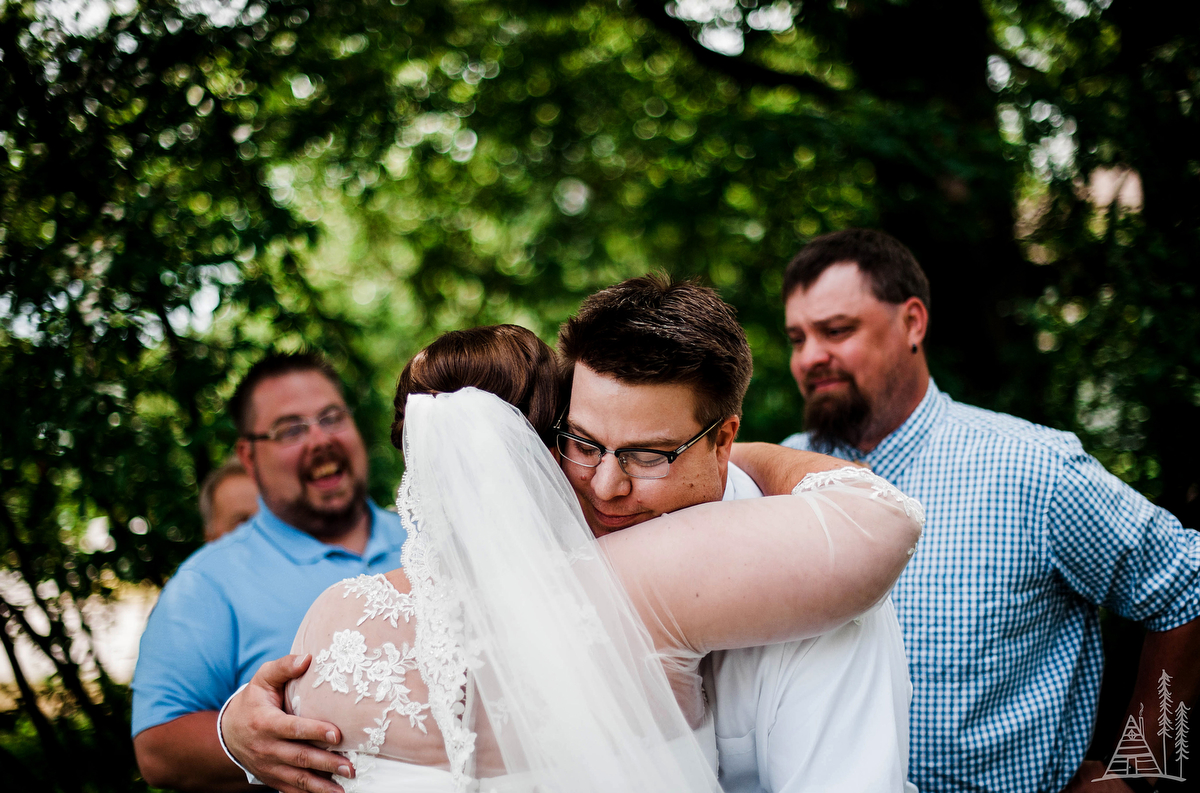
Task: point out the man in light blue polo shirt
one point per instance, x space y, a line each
237 602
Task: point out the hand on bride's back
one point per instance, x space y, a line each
273 745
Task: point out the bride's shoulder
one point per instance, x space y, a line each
380 595
398 580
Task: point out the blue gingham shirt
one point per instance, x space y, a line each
1025 535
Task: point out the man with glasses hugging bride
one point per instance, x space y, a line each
747 605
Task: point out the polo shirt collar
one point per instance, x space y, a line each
893 454
303 548
387 534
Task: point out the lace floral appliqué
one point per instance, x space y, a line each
375 672
382 599
441 657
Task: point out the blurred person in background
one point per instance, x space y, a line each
237 603
1026 536
228 498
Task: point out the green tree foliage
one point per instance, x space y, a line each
143 261
1118 313
184 189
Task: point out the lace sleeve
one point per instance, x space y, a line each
853 474
767 570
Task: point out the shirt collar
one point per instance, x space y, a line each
303 548
892 455
387 534
738 484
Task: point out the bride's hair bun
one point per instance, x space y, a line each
506 360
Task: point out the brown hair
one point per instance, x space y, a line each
887 263
506 360
274 365
208 488
657 330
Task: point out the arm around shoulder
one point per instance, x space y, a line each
777 469
758 571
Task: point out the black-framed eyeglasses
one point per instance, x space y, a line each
291 431
636 462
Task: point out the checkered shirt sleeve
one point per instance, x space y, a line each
1120 551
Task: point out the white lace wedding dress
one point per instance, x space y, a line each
508 655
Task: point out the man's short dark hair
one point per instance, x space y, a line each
274 365
888 264
657 330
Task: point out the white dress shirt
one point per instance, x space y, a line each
826 714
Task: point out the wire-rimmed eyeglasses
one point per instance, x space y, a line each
636 462
291 431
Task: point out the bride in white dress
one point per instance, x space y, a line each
514 652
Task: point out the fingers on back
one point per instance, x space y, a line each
274 674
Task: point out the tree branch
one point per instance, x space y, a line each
51 748
10 525
59 638
67 669
746 73
201 465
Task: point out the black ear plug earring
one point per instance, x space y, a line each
914 349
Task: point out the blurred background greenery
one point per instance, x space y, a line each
185 184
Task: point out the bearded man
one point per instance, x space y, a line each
1026 536
237 602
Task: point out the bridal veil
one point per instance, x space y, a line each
510 584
